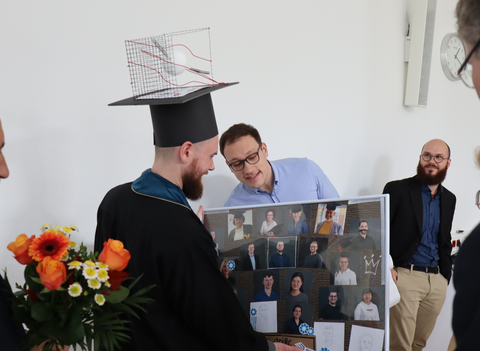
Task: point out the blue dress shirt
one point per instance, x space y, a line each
427 252
295 179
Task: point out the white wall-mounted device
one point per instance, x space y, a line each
418 51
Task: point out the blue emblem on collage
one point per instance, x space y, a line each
231 265
310 331
253 318
324 349
303 328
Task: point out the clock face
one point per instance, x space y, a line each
452 55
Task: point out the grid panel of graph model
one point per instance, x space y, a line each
169 61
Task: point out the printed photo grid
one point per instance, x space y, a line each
296 267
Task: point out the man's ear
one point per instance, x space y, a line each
186 151
265 150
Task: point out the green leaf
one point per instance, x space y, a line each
40 312
117 296
74 330
36 280
123 307
144 290
45 291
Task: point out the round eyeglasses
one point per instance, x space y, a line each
465 70
427 157
251 160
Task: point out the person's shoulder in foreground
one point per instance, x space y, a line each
263 181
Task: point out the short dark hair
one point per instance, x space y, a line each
366 291
237 131
294 307
294 275
268 273
270 210
362 221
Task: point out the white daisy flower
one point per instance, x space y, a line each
75 265
89 263
102 275
94 284
99 299
102 265
90 273
75 290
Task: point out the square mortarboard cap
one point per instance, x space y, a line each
187 115
332 206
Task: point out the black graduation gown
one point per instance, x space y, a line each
11 332
195 307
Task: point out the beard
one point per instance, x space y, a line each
429 179
192 183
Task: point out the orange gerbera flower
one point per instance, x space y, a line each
50 243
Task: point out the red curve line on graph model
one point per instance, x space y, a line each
176 64
177 85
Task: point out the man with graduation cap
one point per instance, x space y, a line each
169 244
329 226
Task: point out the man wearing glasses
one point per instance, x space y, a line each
466 305
263 181
421 214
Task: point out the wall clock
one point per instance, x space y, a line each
452 55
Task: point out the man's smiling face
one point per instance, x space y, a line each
258 175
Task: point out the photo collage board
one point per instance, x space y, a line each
312 268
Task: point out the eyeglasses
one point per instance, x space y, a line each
251 160
427 157
465 70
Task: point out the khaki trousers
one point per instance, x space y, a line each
412 320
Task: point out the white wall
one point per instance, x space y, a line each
322 79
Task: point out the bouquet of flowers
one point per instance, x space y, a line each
71 296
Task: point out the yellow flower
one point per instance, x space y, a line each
107 284
75 265
90 273
65 230
89 263
102 265
75 290
102 275
99 299
73 244
45 227
94 284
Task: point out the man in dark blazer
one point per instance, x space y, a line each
279 259
421 214
247 261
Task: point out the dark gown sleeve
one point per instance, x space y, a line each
466 304
11 332
172 249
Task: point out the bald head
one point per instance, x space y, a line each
437 143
